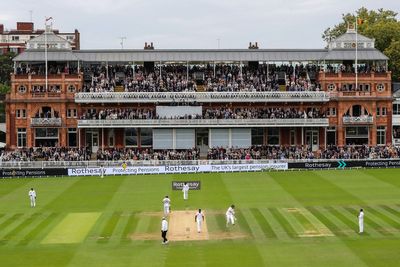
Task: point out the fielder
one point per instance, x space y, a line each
167 204
185 190
361 221
32 197
230 216
199 218
164 230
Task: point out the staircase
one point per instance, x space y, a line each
201 88
119 88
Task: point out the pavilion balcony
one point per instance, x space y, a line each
168 97
203 123
46 122
358 120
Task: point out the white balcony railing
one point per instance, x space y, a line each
46 122
358 120
167 97
204 123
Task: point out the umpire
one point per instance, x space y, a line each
164 230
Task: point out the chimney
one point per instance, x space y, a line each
148 47
25 26
253 46
1 28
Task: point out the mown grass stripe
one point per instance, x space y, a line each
19 228
36 231
383 217
283 222
130 227
243 222
322 218
10 220
1 215
221 221
109 228
351 224
307 225
391 210
263 223
370 222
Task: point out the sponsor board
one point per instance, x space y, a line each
343 164
21 173
193 185
177 169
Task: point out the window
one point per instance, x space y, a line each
396 109
331 112
257 136
21 137
384 111
22 89
131 138
381 135
72 113
15 38
273 136
378 111
331 136
71 88
146 137
347 45
380 87
331 86
292 137
72 137
21 113
364 87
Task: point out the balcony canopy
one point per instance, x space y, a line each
202 55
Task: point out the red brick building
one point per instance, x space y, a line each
15 40
354 108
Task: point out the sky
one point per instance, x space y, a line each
189 24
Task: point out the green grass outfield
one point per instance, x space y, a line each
289 219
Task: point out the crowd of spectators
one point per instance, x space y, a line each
126 154
46 154
304 152
217 153
219 78
208 113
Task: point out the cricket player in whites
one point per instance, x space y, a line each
32 197
185 190
167 204
361 221
199 218
230 216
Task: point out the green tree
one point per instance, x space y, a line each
382 25
6 67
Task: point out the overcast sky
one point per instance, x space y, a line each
190 24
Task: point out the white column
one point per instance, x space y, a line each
187 71
302 136
79 137
102 139
173 138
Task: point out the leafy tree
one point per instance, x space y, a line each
6 67
382 25
4 88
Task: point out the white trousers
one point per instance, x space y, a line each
166 209
230 219
361 225
199 226
185 195
33 201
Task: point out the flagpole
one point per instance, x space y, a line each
45 52
356 53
